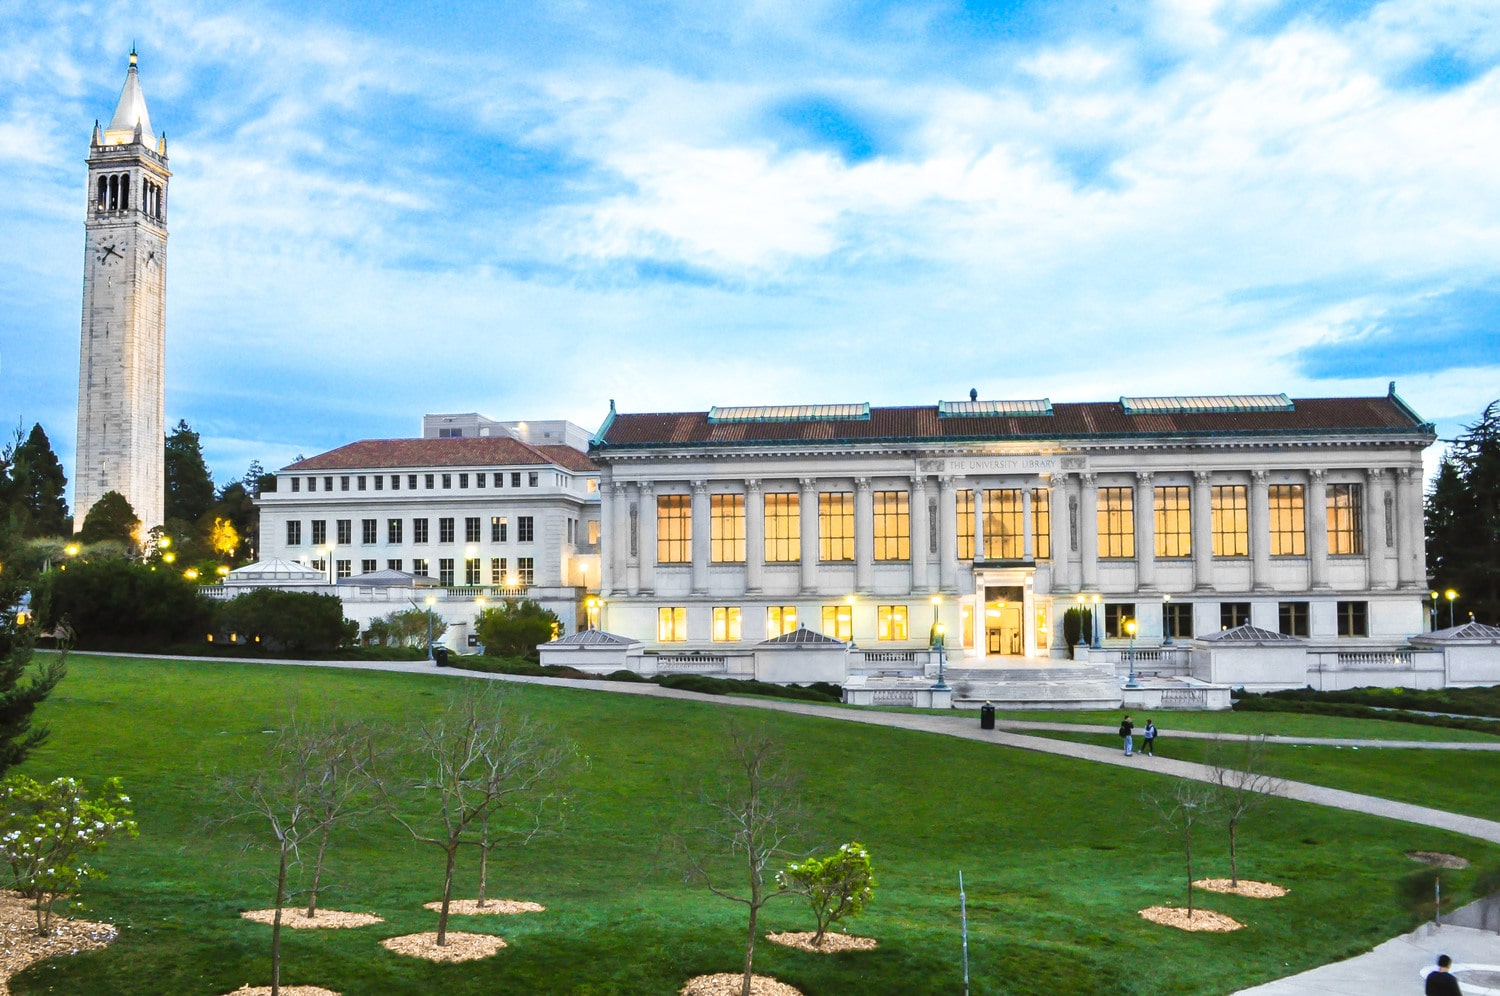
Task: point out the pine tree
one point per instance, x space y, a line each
37 487
190 489
111 518
18 699
1463 519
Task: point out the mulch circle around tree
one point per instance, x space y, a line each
459 947
832 943
729 983
21 946
323 919
471 907
1438 859
1201 920
1251 890
284 990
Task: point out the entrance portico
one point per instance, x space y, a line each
1004 615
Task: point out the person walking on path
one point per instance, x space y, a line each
1126 729
1440 981
1148 739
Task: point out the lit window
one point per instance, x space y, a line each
836 525
892 525
726 623
783 528
727 529
964 507
838 622
1116 520
780 620
593 532
1004 518
1288 521
890 622
497 570
1231 521
591 485
671 624
1041 523
966 623
674 529
1354 619
1174 522
1346 531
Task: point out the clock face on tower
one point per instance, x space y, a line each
107 253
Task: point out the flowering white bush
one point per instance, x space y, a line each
48 828
835 887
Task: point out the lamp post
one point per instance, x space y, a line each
1098 634
1450 595
1166 622
1432 610
1130 629
332 571
937 600
431 600
938 631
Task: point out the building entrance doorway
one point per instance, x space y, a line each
1003 616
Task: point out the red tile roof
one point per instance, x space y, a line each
1383 415
485 451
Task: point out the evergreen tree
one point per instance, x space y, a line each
18 699
190 489
236 505
1463 519
111 518
37 487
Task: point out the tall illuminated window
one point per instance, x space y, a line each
1116 521
1004 524
1346 529
890 622
1174 521
892 526
726 516
963 502
671 624
836 525
1041 523
780 620
726 623
1288 521
838 621
783 528
674 529
1231 520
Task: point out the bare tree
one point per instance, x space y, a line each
316 777
491 766
1181 809
750 815
1238 769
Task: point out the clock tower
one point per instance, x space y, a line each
121 385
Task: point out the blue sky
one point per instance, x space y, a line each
380 210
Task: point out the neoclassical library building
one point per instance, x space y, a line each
1172 518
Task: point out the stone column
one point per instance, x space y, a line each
808 507
1380 529
1145 531
979 545
1410 571
1201 512
1028 541
1088 531
864 536
947 536
755 536
1065 551
1317 528
647 522
609 564
1260 531
700 546
981 623
920 532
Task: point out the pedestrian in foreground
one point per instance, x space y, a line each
1148 739
1440 981
1126 729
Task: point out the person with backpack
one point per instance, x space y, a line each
1148 739
1126 729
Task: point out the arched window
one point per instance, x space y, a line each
114 193
103 192
124 191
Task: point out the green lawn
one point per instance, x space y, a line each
1057 855
1283 724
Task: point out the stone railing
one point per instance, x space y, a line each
691 662
1374 658
1184 698
894 697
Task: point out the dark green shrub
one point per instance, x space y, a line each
115 604
516 628
623 675
287 622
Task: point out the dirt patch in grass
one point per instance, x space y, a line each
832 943
299 920
1438 859
21 946
1201 920
460 946
1254 890
728 984
284 990
471 907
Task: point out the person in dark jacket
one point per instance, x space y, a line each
1148 739
1440 981
1126 729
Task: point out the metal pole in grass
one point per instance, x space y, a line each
1437 893
963 918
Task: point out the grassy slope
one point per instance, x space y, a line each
1056 854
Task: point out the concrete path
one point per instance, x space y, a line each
1399 966
1027 724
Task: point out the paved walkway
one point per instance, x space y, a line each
1392 967
1027 724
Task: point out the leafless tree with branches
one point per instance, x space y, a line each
750 816
493 769
1238 769
1182 808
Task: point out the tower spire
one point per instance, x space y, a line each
130 112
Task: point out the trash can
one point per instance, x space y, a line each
440 656
986 717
